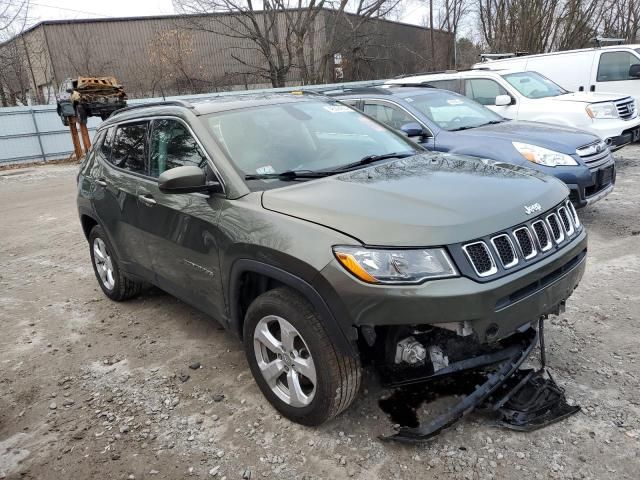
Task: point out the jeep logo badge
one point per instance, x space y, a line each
529 209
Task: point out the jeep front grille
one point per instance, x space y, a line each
542 235
525 242
521 245
556 229
505 249
481 259
566 222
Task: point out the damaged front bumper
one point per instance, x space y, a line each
520 399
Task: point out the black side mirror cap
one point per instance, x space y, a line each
413 129
634 70
186 179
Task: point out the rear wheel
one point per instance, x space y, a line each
113 282
293 360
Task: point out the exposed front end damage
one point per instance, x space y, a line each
434 362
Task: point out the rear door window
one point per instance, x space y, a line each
614 66
172 145
390 115
483 90
128 149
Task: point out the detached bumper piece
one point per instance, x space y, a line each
520 399
534 402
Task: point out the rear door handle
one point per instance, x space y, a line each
147 200
102 182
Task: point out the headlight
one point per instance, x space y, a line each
602 110
543 156
395 266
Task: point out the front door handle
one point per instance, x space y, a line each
102 182
147 200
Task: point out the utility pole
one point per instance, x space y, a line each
433 48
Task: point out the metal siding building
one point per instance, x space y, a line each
172 55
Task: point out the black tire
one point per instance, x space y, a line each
338 377
123 287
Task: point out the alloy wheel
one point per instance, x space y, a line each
103 263
285 361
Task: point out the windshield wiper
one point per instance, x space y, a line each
288 175
374 158
466 127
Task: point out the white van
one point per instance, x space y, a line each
525 95
610 69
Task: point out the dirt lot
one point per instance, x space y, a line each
90 388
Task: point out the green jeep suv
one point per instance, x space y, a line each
325 240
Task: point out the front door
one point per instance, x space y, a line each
484 91
610 73
181 229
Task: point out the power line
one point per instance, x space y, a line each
83 12
55 7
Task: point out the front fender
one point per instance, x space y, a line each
340 338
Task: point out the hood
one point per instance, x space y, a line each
587 97
555 137
425 200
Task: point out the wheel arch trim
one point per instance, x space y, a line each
241 266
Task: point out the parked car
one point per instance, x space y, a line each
525 95
444 121
610 69
326 240
89 97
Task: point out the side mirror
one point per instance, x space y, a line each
503 100
186 179
634 71
412 129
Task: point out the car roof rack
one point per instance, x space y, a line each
163 103
485 57
598 41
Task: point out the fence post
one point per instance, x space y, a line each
35 126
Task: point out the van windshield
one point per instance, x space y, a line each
534 85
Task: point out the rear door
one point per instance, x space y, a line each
120 168
180 230
610 73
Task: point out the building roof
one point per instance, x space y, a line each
175 16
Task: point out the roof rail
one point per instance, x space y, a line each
342 89
424 84
598 41
164 103
433 72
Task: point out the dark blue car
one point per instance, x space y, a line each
447 122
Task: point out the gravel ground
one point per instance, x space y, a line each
90 388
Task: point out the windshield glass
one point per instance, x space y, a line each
534 85
451 111
310 135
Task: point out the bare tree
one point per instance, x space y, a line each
13 77
275 37
536 26
450 16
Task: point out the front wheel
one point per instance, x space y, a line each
294 362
